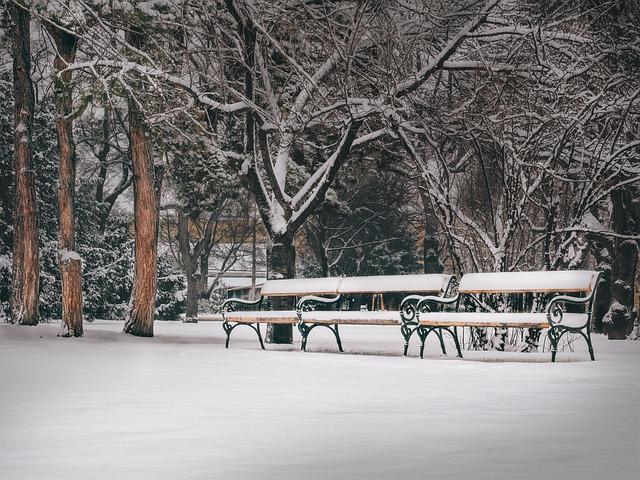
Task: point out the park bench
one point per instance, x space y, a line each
314 311
560 301
315 308
252 313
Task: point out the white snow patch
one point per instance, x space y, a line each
69 255
181 295
6 262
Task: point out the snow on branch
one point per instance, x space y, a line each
125 66
450 48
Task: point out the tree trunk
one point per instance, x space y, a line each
146 216
618 322
145 207
281 263
189 260
203 285
193 294
430 244
26 261
601 247
69 260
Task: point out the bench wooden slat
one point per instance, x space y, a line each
353 317
498 320
278 317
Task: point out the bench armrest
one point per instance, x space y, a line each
413 304
409 309
555 312
425 302
231 304
310 302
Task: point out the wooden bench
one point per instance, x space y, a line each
484 300
316 309
238 312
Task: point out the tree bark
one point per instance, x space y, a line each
281 264
69 261
26 255
145 214
146 219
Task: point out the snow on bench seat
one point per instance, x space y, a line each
499 319
345 317
520 282
418 283
280 317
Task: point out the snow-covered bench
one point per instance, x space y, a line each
315 309
544 295
252 313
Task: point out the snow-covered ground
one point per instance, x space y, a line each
180 406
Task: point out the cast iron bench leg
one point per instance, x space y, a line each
439 333
259 336
229 328
337 335
457 342
406 332
305 330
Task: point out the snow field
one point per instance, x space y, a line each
181 406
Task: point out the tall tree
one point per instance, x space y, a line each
70 262
146 219
26 268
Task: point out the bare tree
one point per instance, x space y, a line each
193 241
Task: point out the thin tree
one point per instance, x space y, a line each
26 267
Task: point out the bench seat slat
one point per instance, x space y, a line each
279 317
353 317
490 319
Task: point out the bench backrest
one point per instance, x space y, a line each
422 283
297 287
564 281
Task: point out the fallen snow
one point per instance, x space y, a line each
180 406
